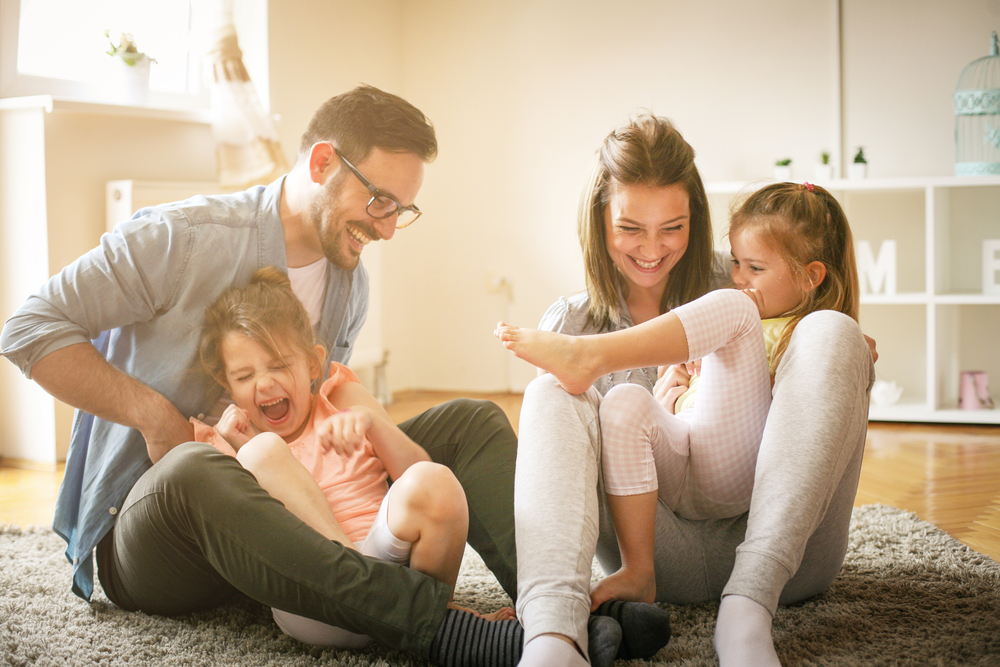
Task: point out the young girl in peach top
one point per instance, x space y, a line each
325 455
792 255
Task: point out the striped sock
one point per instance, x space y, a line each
465 640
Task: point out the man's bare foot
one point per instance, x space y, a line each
563 356
502 614
625 584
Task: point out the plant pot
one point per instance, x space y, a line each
133 82
824 172
783 173
858 170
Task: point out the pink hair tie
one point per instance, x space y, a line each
809 186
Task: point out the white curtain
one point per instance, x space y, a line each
246 140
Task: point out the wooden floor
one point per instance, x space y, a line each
947 475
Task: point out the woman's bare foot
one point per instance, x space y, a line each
625 584
563 356
502 614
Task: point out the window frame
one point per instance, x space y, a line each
16 84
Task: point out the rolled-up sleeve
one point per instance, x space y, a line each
129 277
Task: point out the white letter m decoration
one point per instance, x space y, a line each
877 273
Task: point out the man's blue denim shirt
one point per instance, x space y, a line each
140 296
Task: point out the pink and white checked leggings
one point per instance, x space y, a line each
702 460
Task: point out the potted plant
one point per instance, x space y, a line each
783 169
859 167
133 69
824 170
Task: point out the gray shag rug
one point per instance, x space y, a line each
908 595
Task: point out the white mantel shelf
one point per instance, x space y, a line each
53 104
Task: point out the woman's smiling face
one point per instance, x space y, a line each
647 232
276 393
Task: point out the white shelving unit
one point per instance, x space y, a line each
939 322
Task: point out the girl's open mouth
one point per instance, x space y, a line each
275 411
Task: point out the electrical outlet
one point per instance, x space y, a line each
497 283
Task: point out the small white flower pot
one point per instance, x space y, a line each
858 170
783 174
824 172
133 82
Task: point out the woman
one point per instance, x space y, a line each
646 237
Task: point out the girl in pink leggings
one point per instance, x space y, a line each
792 255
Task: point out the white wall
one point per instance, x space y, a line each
522 93
321 48
902 61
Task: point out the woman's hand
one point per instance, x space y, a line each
673 382
871 346
345 431
235 427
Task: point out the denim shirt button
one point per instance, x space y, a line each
113 511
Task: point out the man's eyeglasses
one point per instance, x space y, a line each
382 206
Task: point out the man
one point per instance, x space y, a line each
178 527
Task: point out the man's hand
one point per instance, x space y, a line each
345 431
164 428
79 376
235 426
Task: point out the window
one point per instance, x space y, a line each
58 47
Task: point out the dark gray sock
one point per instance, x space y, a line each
465 640
645 627
604 636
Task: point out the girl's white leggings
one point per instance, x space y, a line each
701 460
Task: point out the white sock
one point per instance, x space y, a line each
549 651
743 634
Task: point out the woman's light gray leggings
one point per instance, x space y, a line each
788 547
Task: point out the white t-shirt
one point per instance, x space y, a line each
309 284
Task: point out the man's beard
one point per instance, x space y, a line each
325 214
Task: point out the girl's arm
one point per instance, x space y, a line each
393 447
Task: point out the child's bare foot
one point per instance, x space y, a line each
563 356
625 584
502 614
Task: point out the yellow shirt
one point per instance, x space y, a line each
772 332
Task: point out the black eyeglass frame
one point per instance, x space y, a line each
378 194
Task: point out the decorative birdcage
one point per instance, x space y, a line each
977 116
